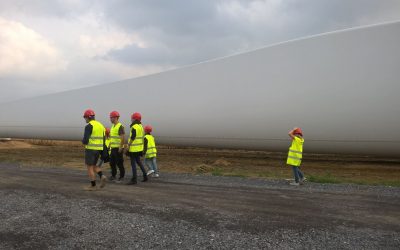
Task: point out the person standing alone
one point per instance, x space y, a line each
117 137
295 155
93 139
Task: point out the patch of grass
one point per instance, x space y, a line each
235 175
217 172
39 142
328 178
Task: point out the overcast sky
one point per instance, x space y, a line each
54 45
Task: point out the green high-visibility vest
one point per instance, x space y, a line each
96 139
295 152
137 145
114 136
151 146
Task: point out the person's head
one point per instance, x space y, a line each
107 132
114 117
298 132
89 115
136 117
148 129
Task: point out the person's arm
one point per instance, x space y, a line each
132 138
86 135
145 146
121 134
291 133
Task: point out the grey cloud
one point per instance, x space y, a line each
185 32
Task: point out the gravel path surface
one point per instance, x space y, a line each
44 208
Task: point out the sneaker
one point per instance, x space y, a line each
294 184
303 179
103 181
90 188
112 178
150 172
156 175
145 178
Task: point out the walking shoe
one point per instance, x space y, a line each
150 172
303 179
132 182
294 184
90 188
156 175
112 178
145 178
103 181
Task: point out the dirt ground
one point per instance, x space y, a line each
218 162
46 208
201 201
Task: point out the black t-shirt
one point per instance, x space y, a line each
121 130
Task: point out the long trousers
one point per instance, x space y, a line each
297 173
135 159
152 164
117 159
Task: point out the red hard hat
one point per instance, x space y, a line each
136 116
107 131
298 131
88 113
148 129
114 114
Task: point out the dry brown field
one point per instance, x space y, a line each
223 162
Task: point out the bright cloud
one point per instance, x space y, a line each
25 53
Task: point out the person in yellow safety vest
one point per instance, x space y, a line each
93 139
150 151
136 146
117 135
107 141
295 155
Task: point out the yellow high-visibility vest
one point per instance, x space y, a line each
108 142
295 152
151 147
114 136
96 139
137 145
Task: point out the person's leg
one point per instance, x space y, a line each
301 175
120 164
139 162
90 161
296 174
92 175
134 173
97 170
149 163
113 164
155 167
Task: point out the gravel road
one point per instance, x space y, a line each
46 208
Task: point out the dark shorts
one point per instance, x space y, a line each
92 156
135 154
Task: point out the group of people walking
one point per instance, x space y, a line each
100 141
